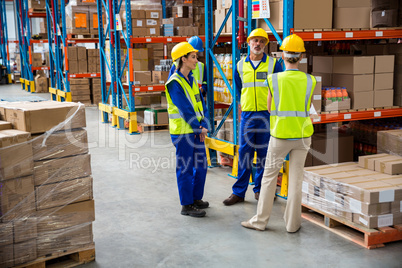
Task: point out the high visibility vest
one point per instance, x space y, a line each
198 73
290 107
177 124
254 93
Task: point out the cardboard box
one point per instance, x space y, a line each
37 4
25 252
138 14
160 77
327 149
156 116
152 23
25 229
142 53
353 65
141 32
63 193
93 53
391 167
153 14
355 3
39 117
93 21
384 64
384 18
7 255
323 64
383 98
57 218
389 141
79 81
351 17
5 125
82 66
276 19
367 161
16 199
219 18
138 23
154 31
141 65
383 81
329 105
326 78
60 144
362 99
6 234
354 83
15 154
79 22
37 60
306 17
142 78
72 53
56 170
41 85
384 4
73 66
68 239
374 221
228 26
316 99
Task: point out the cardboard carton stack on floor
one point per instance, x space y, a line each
353 193
80 90
48 172
41 83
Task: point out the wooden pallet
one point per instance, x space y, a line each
70 258
365 237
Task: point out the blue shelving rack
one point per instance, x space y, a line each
4 49
57 38
212 143
115 66
24 35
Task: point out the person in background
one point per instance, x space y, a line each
289 103
188 127
249 75
200 70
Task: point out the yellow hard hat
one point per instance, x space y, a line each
182 49
293 43
260 33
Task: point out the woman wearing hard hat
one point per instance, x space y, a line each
188 127
289 103
199 71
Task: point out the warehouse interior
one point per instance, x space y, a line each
87 165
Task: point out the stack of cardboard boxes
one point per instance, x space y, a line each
158 53
222 8
96 90
146 22
368 80
37 4
93 61
46 202
81 60
80 90
184 19
354 193
84 18
389 141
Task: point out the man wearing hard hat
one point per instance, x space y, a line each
289 103
200 70
250 74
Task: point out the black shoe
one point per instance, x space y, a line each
192 211
201 204
232 199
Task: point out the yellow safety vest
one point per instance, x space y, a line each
177 124
198 73
254 93
290 107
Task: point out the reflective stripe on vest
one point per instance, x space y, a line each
198 72
275 86
254 92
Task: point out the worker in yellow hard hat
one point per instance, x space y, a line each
289 102
188 127
249 76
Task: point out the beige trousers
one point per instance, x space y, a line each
277 151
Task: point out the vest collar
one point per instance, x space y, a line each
190 77
264 58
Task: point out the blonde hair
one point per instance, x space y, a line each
291 57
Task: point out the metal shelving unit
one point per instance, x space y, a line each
4 49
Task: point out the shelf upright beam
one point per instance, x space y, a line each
5 53
103 59
287 17
235 59
63 45
52 59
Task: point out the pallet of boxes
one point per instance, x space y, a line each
82 18
46 200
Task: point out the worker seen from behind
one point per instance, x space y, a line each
250 75
188 127
200 70
289 103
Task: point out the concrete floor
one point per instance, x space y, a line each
138 221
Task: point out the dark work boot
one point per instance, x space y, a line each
201 204
191 210
232 199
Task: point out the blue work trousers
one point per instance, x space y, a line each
191 167
254 137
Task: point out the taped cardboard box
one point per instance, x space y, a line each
160 77
142 53
39 117
354 83
351 17
362 99
306 17
62 169
153 14
60 144
17 199
142 78
63 193
15 154
353 65
383 98
376 221
384 64
66 239
390 141
25 229
367 161
323 64
391 166
383 81
375 192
